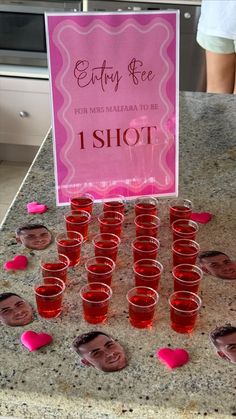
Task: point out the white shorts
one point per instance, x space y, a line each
216 43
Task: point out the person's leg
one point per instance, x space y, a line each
235 74
220 72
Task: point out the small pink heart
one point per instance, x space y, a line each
36 208
19 262
201 217
32 340
173 358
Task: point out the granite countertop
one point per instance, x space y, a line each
50 382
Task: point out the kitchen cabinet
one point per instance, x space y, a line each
25 115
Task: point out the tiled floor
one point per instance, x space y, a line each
11 177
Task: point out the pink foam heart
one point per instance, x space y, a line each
201 217
32 340
36 208
19 262
173 358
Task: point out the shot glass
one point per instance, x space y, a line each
69 244
55 266
100 269
142 303
111 222
180 209
145 247
78 221
146 205
82 202
147 273
184 309
147 225
187 278
116 203
106 244
185 251
184 229
49 297
95 299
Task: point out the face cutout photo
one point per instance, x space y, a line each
217 264
224 340
34 236
101 351
14 310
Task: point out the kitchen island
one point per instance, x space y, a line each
50 382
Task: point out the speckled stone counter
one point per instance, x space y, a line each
50 383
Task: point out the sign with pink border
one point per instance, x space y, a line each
114 86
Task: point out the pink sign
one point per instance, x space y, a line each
114 81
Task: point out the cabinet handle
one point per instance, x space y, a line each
187 15
23 114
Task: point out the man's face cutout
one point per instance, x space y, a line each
220 266
35 238
226 347
103 353
14 311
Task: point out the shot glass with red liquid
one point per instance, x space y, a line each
184 229
147 225
106 244
180 209
145 247
55 266
95 299
100 269
116 203
82 202
69 244
49 297
185 251
142 304
78 221
184 309
146 205
147 273
111 222
187 278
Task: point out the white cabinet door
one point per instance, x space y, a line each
25 114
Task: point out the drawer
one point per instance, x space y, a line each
25 115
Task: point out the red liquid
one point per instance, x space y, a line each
188 254
49 307
150 276
149 248
83 203
95 309
145 208
184 231
177 212
189 278
73 224
106 248
100 273
111 225
114 206
140 315
70 248
147 229
183 322
57 270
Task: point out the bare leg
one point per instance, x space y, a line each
220 72
235 77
